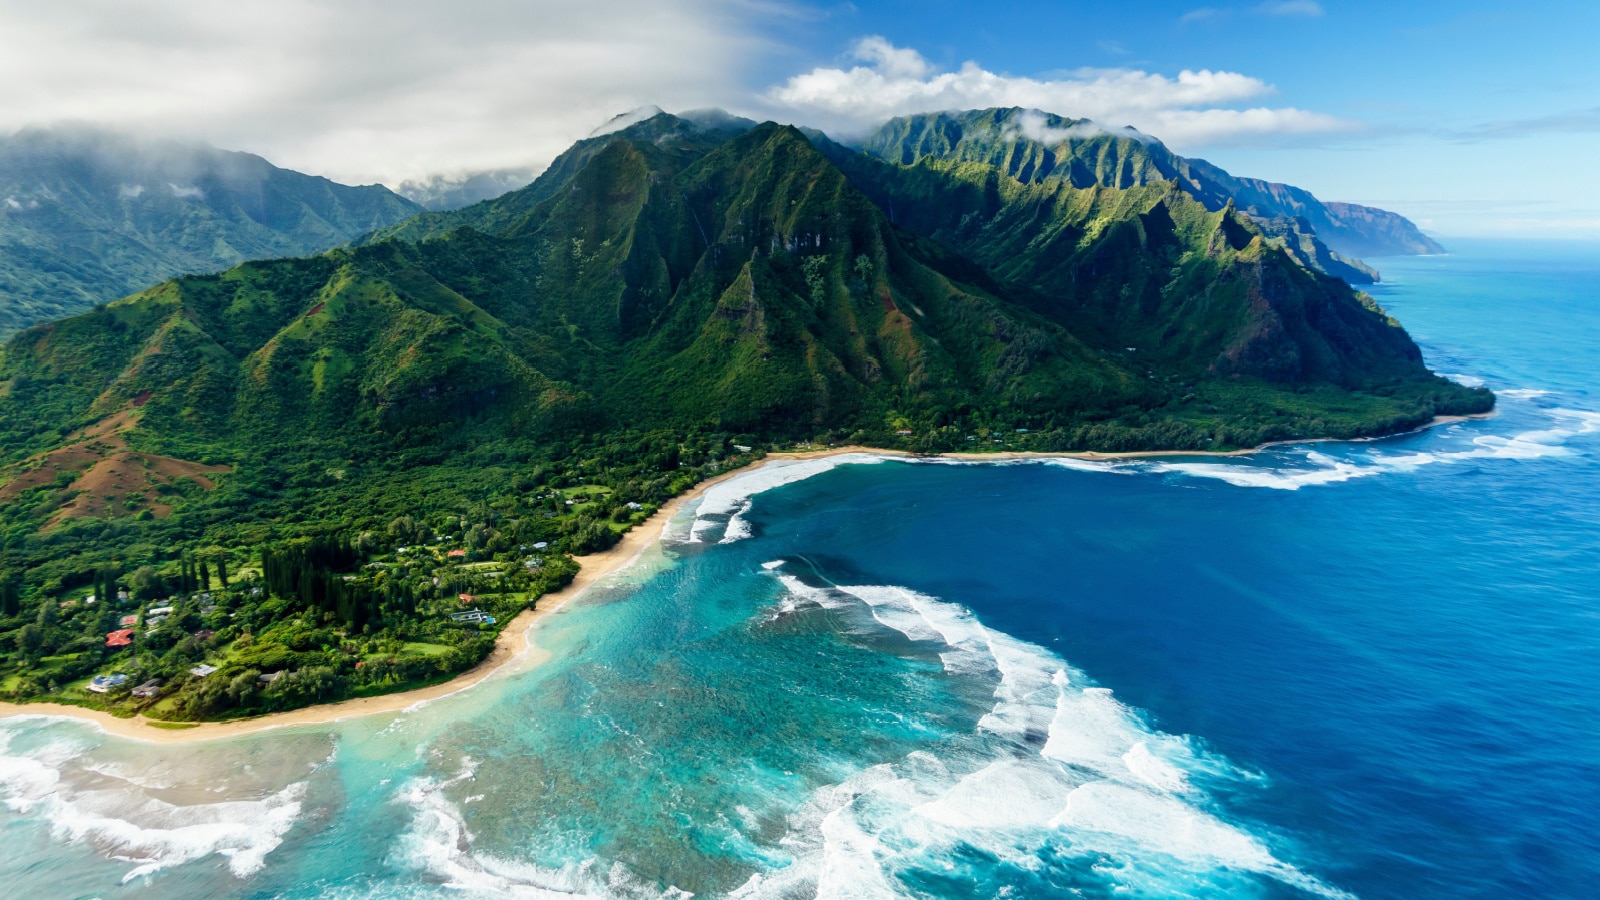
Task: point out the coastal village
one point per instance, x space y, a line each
218 632
203 626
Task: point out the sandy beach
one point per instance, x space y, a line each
515 643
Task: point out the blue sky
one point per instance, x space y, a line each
1473 118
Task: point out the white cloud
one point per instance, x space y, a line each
1283 8
1291 8
371 89
1194 108
1201 14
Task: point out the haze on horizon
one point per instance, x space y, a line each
1475 118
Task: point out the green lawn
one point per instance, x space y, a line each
424 649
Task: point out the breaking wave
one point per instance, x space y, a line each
1287 468
439 844
121 818
1057 770
723 505
1321 468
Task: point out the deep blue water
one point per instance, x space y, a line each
1363 669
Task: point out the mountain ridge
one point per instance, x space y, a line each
1031 144
88 216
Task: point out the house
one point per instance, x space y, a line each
741 448
634 505
202 670
160 611
204 634
476 616
903 431
102 683
467 598
129 621
456 554
540 545
122 638
269 677
122 596
149 689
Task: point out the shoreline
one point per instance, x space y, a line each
1002 455
515 642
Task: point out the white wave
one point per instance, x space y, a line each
1056 759
850 867
1471 381
1153 770
128 824
728 500
1260 476
439 843
1539 443
1006 794
1522 393
1122 466
738 526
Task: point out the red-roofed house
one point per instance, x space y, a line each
121 638
456 554
467 598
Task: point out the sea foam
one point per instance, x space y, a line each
724 504
439 844
127 822
1056 761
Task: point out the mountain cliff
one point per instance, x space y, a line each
89 216
1030 145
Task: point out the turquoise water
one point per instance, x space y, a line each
1363 669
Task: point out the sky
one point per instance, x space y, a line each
1473 118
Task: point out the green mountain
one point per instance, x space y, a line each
89 216
551 365
1029 145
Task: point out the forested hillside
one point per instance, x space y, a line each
387 445
88 216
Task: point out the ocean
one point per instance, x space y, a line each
1366 669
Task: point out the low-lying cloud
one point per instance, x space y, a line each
370 89
1194 108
